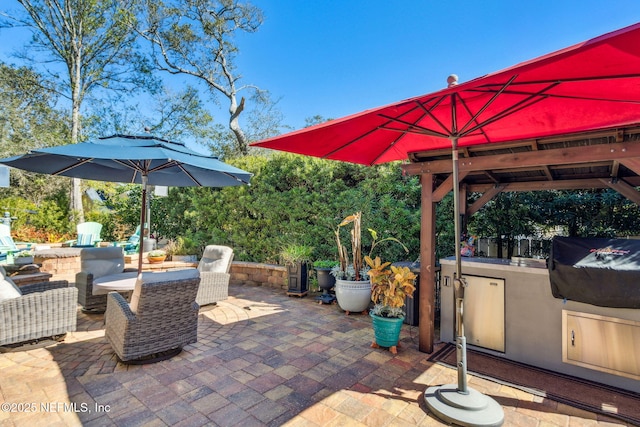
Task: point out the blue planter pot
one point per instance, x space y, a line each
386 330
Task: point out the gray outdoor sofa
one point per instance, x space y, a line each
34 311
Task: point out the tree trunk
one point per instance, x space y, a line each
234 124
77 211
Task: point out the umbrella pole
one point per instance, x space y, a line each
459 404
458 281
143 213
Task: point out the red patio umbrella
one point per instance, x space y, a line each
589 86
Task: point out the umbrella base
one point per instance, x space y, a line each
471 409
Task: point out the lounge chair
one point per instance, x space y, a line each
88 235
131 246
214 267
37 310
161 318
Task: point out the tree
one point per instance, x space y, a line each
29 119
195 38
505 217
93 42
171 115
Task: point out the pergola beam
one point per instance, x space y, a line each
484 199
623 188
446 186
569 184
531 159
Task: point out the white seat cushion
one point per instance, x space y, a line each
8 290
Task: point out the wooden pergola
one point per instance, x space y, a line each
594 160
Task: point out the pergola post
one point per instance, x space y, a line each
426 305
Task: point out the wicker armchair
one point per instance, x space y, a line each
214 274
161 318
98 264
42 310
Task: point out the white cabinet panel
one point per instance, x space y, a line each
483 315
602 343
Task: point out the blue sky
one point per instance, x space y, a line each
334 58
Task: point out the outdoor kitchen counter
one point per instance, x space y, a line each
533 318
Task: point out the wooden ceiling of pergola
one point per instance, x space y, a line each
604 159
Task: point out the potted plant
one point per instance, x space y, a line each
156 256
23 257
390 286
181 249
296 258
326 280
353 289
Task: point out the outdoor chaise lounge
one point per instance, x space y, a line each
214 269
100 265
35 311
161 318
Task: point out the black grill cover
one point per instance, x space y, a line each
602 272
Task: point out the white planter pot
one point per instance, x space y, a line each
353 295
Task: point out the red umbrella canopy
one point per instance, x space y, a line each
589 86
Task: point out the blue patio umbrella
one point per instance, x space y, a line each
145 160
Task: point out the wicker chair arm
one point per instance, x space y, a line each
53 297
118 309
84 277
43 286
212 277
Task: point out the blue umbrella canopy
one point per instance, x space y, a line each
145 160
123 158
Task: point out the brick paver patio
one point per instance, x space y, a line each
262 358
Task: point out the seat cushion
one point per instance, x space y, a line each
8 289
212 265
120 282
102 261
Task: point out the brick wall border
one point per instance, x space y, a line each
258 274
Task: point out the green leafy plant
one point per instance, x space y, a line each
294 253
356 270
325 264
390 286
157 253
24 254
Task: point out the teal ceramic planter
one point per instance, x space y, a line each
386 330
